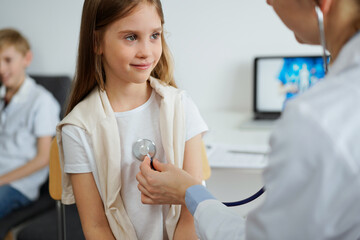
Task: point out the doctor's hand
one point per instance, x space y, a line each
166 185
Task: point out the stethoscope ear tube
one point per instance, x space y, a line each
246 200
320 17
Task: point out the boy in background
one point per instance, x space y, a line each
28 117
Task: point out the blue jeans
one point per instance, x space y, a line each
10 200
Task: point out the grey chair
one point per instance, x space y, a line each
59 86
46 227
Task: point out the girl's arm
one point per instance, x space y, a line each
185 228
90 207
40 161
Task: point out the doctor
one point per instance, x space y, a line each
313 177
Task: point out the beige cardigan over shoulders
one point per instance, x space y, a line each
95 115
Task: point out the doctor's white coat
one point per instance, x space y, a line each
313 178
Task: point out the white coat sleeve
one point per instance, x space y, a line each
214 221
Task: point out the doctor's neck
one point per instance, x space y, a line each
342 22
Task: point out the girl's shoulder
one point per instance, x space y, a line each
89 111
163 89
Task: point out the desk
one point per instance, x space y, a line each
233 184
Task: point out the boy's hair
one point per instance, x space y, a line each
96 16
11 37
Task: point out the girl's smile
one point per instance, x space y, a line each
144 66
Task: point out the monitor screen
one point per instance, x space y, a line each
280 79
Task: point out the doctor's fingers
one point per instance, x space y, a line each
161 167
147 170
158 197
140 178
148 198
145 167
149 185
145 195
152 195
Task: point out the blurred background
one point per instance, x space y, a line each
213 43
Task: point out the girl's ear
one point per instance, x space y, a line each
97 48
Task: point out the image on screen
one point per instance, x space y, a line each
280 79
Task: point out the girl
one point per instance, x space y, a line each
124 91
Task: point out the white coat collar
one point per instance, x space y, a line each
349 56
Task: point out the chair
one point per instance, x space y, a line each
9 236
57 228
43 204
59 86
55 188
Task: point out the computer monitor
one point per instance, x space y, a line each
280 79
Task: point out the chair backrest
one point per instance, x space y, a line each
55 187
59 86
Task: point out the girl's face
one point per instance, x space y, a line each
299 16
131 47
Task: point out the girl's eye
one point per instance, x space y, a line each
155 36
131 38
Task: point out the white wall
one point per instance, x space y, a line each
52 28
213 43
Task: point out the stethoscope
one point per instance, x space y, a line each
320 17
145 147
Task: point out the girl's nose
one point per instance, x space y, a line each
144 49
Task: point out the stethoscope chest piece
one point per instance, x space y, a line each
144 147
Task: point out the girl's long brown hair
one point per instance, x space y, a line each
96 16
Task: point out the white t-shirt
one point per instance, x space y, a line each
139 123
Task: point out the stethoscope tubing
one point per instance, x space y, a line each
151 162
145 144
246 200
